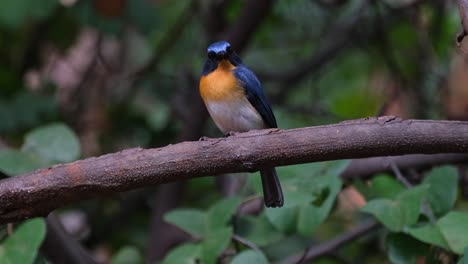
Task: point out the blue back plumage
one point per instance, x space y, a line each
255 95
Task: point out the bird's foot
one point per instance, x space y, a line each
203 138
231 133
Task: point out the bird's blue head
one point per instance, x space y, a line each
217 52
219 49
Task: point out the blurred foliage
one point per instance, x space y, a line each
42 147
127 255
250 257
23 244
13 14
68 89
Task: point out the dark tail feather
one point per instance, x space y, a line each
272 193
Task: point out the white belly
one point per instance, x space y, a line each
235 116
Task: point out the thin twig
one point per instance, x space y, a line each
426 209
363 169
335 243
399 175
329 48
246 242
9 228
167 42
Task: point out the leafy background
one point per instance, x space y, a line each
84 78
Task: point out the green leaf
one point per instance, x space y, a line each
214 244
190 220
454 227
387 212
258 230
402 249
309 198
127 255
403 211
22 246
410 203
381 186
464 259
285 218
250 257
450 232
183 254
211 226
443 184
430 234
311 178
221 212
14 162
289 245
55 142
311 216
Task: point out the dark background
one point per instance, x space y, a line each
123 73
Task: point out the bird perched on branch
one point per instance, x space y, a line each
235 100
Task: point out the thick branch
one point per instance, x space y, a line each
41 191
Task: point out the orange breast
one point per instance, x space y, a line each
220 84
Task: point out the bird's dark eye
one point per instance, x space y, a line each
229 50
211 55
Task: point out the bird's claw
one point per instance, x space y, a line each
203 138
230 133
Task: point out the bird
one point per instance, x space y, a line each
235 100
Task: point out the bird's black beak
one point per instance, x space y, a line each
222 55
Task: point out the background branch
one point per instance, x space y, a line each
365 168
335 243
334 42
463 8
61 247
41 191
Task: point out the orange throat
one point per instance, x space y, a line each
220 84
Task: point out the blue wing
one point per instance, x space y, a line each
255 95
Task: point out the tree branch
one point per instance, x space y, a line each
329 48
248 20
463 8
335 243
39 192
365 168
61 247
168 40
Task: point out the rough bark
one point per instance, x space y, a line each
39 192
